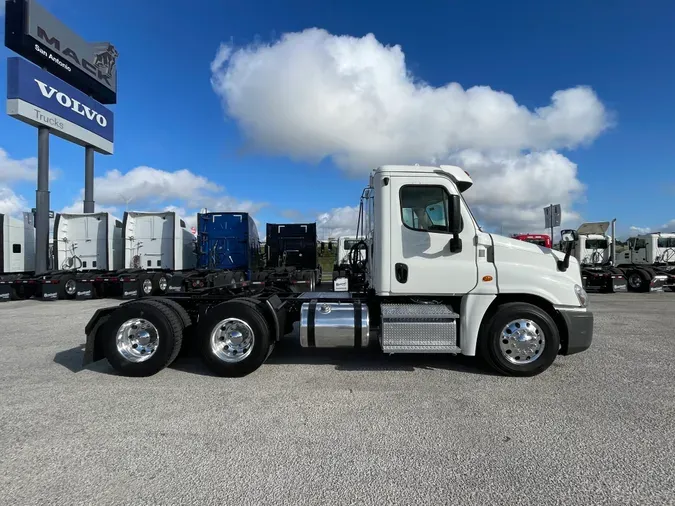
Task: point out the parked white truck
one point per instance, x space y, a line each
435 283
650 258
17 257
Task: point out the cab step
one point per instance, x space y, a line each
419 328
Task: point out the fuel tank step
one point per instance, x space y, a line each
419 328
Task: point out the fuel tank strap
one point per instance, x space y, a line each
357 324
311 317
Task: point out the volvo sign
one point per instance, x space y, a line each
34 33
40 99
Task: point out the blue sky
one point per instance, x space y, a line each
308 158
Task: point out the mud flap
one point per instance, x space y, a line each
175 284
130 289
50 291
85 290
5 292
619 284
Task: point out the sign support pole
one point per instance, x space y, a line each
551 211
42 203
88 179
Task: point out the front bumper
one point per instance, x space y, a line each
579 331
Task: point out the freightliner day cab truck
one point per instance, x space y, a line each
649 258
634 270
436 283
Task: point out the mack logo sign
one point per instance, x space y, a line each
40 99
35 34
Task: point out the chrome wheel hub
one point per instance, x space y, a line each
137 340
146 286
635 280
71 287
163 284
522 342
232 340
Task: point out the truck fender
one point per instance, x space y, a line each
92 351
269 310
472 313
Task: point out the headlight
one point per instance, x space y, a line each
581 295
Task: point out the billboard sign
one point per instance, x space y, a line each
552 216
40 99
34 33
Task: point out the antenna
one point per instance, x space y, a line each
126 201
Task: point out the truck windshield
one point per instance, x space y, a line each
349 244
538 242
596 243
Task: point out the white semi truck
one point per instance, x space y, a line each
435 283
650 257
17 257
593 249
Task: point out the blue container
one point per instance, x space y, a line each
228 241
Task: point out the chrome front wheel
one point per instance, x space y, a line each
522 341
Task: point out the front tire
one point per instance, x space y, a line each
141 338
520 339
234 339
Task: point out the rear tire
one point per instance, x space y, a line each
234 339
519 339
139 328
637 281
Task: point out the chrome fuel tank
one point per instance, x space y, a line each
334 325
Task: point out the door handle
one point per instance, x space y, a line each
401 271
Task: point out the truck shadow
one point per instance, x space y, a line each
291 353
370 359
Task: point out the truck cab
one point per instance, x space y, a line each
650 249
593 248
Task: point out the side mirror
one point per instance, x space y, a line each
323 246
569 235
330 246
455 223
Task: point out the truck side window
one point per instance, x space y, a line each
666 242
16 248
640 244
425 208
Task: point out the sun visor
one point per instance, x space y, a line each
596 228
459 176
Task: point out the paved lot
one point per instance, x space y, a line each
339 428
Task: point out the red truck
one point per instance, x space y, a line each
538 239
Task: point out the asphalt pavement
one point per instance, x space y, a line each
329 427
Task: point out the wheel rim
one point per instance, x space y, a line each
635 280
147 286
232 340
163 283
71 287
137 340
522 341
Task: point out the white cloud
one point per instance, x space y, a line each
11 203
640 230
147 189
512 190
312 95
669 227
12 169
337 222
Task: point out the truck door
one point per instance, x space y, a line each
421 260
